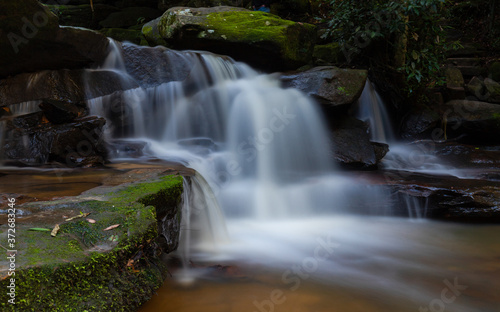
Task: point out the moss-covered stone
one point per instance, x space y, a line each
261 39
85 268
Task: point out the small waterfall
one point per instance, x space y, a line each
260 153
372 109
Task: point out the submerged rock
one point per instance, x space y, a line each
263 40
329 85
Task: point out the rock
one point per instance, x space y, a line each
327 54
494 71
58 112
68 85
352 147
33 41
82 15
295 8
126 148
472 121
329 85
476 87
142 64
420 123
263 40
120 34
5 111
493 89
130 16
29 141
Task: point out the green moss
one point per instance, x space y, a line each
294 39
81 269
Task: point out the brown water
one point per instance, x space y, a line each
382 265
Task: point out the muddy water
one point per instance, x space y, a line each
378 264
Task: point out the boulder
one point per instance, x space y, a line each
32 40
420 123
472 121
29 140
167 4
494 71
329 85
263 40
69 85
454 84
352 147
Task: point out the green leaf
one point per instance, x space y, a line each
39 229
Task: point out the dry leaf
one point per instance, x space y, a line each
130 263
91 220
81 215
111 227
55 230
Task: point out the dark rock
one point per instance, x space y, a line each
4 111
328 54
352 147
329 85
58 112
454 84
142 63
120 34
472 121
68 85
263 40
420 123
130 16
34 41
164 5
29 141
126 148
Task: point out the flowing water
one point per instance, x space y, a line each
293 232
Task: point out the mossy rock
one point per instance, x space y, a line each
84 267
263 40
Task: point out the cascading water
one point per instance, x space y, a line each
265 191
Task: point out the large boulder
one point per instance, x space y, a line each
263 40
352 148
129 17
471 121
83 15
31 40
70 85
333 86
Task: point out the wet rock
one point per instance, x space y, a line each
263 40
34 41
126 148
420 123
142 63
59 112
68 85
329 85
120 34
352 147
472 121
30 141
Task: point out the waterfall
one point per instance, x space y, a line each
260 152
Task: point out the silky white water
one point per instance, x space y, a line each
266 190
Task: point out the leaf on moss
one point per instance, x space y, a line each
111 227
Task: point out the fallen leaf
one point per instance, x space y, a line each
39 229
55 230
111 227
91 220
130 263
81 215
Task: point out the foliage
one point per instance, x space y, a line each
410 28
